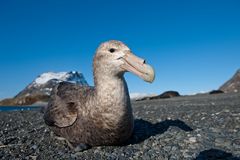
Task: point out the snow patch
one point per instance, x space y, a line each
45 77
197 93
136 96
73 77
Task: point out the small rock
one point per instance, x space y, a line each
216 130
203 118
192 147
236 143
60 153
78 154
74 156
219 140
147 157
81 148
192 139
226 110
237 126
223 142
167 148
34 147
186 155
33 157
174 148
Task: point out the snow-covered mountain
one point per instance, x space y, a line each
45 82
38 92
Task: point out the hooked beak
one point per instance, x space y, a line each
138 66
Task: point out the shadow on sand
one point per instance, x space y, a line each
213 154
144 129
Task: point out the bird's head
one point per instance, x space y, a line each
115 58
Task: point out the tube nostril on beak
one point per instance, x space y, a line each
144 61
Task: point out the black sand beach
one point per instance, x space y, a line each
192 127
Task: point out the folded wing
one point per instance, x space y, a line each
66 99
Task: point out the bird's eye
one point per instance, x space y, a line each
112 50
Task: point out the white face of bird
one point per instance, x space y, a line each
118 58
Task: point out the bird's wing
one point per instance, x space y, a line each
62 109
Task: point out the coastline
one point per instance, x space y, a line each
19 108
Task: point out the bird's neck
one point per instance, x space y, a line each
113 102
112 90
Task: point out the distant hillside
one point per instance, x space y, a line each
40 89
232 85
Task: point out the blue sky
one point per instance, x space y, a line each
194 45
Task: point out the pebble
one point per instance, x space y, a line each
223 142
226 110
186 155
216 130
33 157
167 148
236 143
174 148
34 147
192 139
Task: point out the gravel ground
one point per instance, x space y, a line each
192 127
